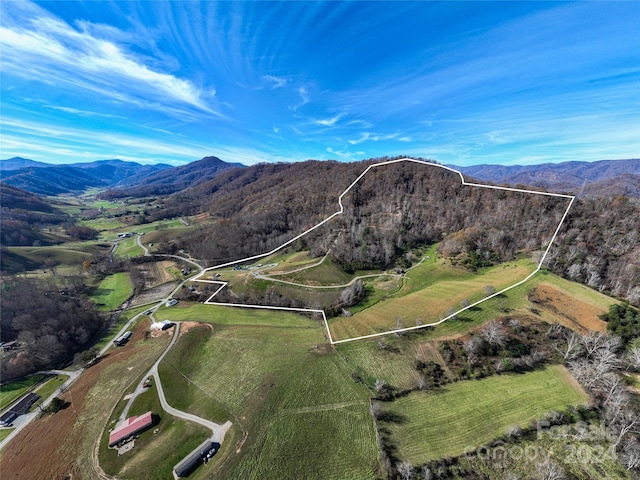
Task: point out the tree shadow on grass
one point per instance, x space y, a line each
392 417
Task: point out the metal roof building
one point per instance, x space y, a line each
200 455
130 427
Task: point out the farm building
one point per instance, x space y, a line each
130 427
19 408
200 455
124 338
164 325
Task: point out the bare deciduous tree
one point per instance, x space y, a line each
405 470
493 333
630 454
549 470
633 357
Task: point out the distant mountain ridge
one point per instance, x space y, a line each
51 179
17 163
605 178
585 179
172 180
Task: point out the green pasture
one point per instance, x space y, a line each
112 291
128 247
103 224
49 388
5 432
468 414
275 377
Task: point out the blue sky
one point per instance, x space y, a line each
459 82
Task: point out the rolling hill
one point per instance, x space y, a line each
23 213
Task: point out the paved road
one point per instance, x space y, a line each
24 420
217 431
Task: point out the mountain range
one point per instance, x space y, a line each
584 179
606 178
49 179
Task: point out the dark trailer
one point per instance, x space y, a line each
200 455
120 341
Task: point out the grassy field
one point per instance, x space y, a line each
103 224
10 392
48 388
128 247
426 296
471 413
60 255
5 432
274 376
112 291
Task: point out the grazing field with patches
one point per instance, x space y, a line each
578 310
156 273
128 248
284 389
428 294
468 414
112 291
373 360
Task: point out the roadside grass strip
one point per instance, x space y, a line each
353 335
12 391
468 414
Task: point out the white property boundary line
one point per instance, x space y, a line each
197 278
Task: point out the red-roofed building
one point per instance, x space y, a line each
130 427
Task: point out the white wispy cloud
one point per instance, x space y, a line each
376 137
342 153
303 93
38 46
275 82
328 122
82 113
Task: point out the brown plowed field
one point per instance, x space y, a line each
567 310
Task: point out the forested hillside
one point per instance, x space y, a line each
50 330
170 180
393 206
23 214
256 209
600 245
